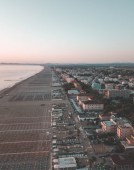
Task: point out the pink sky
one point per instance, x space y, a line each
68 56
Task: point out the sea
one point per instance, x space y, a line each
12 74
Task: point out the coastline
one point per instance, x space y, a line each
5 91
25 123
13 81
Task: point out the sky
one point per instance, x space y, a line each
66 31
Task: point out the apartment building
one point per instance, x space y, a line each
83 97
92 105
128 143
104 117
67 78
68 163
124 131
117 93
109 86
108 126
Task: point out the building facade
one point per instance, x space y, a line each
108 126
92 106
117 93
124 131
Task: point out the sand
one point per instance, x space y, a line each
25 123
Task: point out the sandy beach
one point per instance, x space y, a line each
25 122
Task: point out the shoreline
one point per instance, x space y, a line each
25 123
6 90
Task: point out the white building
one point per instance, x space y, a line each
68 163
109 86
69 79
83 97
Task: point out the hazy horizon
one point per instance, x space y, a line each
72 31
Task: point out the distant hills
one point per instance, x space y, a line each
77 64
98 65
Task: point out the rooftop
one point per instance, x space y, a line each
109 123
125 125
67 162
73 91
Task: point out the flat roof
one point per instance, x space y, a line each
73 91
67 162
108 123
127 125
